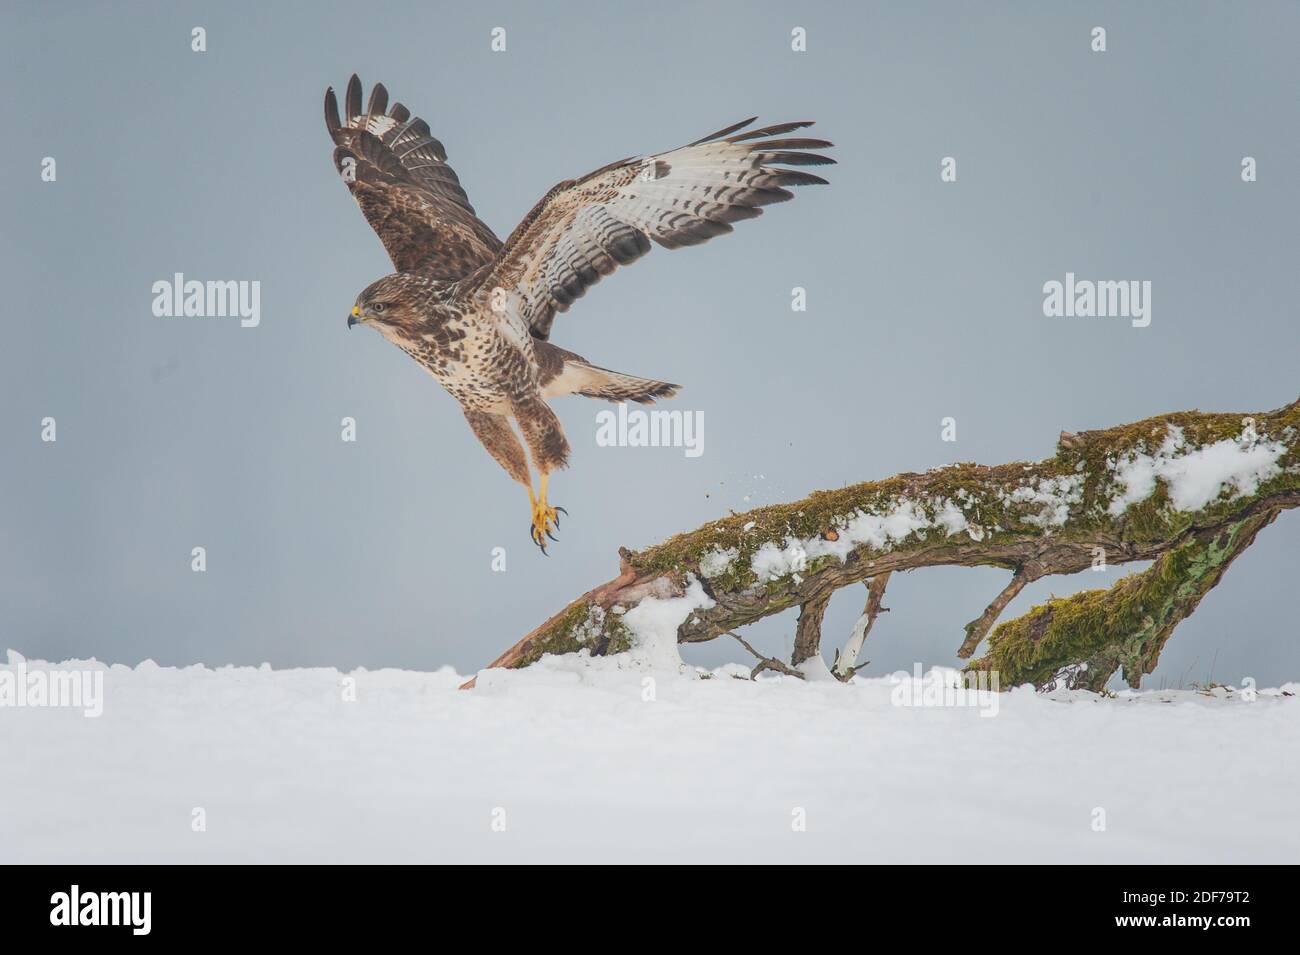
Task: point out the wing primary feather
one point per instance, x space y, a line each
331 111
722 132
795 159
353 99
776 130
791 144
738 213
378 104
790 177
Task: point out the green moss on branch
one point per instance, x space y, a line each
1096 632
1048 517
983 495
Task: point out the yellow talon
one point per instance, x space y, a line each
545 516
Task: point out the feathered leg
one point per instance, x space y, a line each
494 431
549 450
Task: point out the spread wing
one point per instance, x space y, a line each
398 174
585 228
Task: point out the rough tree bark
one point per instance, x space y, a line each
1123 494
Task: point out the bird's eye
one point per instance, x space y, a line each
378 307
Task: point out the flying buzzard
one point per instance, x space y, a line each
477 312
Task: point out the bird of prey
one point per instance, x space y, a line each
476 312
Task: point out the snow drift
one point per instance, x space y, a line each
625 760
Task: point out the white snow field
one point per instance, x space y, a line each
570 761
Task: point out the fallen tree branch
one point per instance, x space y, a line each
766 663
808 630
978 628
1081 640
1188 490
846 663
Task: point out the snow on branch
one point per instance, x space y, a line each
1188 491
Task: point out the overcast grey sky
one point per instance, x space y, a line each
924 301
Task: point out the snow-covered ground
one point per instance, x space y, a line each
620 761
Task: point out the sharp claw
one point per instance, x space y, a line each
562 510
541 532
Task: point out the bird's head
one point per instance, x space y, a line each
391 304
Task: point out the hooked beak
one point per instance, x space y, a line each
355 317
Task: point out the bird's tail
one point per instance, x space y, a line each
564 373
616 386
